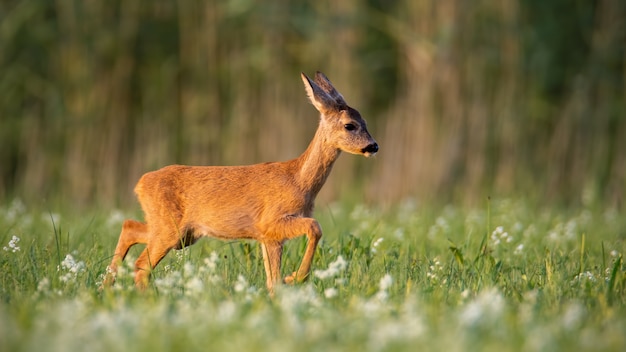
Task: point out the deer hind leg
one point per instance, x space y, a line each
295 227
133 232
272 255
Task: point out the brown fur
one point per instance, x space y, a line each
270 202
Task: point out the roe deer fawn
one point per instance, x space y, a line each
270 202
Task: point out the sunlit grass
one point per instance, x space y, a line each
505 276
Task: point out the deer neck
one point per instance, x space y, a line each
315 164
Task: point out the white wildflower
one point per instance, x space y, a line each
408 325
499 236
553 236
334 269
226 312
375 245
115 218
55 218
44 285
383 286
194 286
71 267
331 292
181 254
15 210
291 299
242 284
169 283
210 263
13 245
434 270
209 269
188 268
587 275
465 294
440 227
519 249
485 308
385 282
567 231
374 306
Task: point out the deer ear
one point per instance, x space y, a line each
318 97
324 83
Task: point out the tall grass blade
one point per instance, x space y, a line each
611 286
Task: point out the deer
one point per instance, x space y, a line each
269 202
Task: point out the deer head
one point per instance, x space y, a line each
342 125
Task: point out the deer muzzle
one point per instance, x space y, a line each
370 149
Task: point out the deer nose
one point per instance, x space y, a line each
372 148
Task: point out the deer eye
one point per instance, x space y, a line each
349 127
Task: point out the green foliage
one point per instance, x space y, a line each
464 97
512 277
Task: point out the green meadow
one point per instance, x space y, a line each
520 100
505 276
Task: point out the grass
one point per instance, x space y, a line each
506 276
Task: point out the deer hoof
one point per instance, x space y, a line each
294 278
291 279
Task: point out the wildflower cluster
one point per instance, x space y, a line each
485 309
334 269
191 280
570 230
499 235
208 270
43 286
295 299
378 303
441 227
243 287
584 276
435 272
71 268
13 245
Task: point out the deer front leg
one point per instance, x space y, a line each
272 255
313 231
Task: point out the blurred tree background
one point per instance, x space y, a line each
466 98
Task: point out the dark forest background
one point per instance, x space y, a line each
466 98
